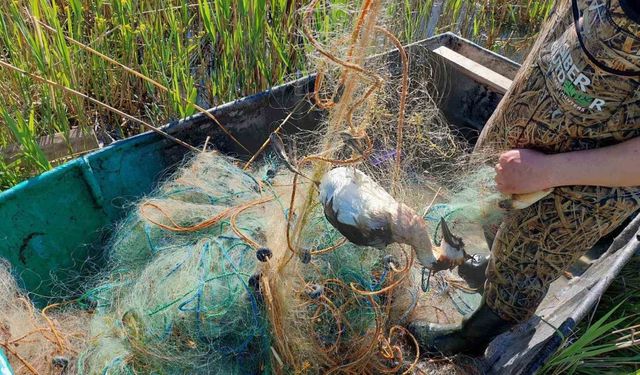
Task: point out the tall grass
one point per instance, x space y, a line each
208 52
508 27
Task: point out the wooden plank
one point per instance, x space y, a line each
478 72
497 63
56 147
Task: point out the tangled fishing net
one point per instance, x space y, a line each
38 341
232 268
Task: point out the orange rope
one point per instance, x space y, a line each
403 98
179 228
321 103
415 345
381 291
337 316
307 31
366 7
200 226
376 80
330 248
403 274
237 230
290 216
52 326
367 350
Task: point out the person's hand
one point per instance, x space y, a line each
523 171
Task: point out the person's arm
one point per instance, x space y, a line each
525 171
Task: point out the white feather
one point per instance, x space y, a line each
357 199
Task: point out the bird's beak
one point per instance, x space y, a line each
278 147
451 255
447 236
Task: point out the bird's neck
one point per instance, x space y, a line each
411 229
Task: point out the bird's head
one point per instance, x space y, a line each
278 147
448 238
451 251
360 143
